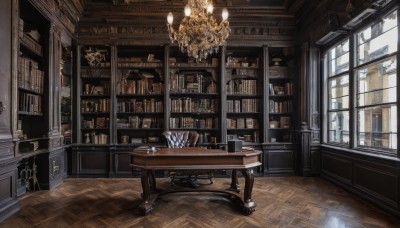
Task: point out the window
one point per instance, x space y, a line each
338 93
376 105
374 74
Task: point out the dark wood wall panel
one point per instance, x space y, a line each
93 162
6 147
281 161
336 167
372 178
122 161
381 184
8 199
6 188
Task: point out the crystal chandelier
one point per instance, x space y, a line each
199 34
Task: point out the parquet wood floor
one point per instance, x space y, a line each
281 202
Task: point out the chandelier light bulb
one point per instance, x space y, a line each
188 11
225 14
170 18
210 8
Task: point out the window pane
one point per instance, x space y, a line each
377 83
338 128
377 127
339 58
377 40
378 28
339 92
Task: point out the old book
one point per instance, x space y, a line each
285 122
146 123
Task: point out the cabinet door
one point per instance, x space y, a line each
279 160
90 161
5 78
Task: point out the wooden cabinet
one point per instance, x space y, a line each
280 153
90 160
279 158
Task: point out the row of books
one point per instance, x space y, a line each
206 137
142 87
192 83
96 73
30 103
281 122
285 89
102 88
243 105
190 122
242 87
141 64
188 104
96 105
29 75
93 138
31 38
280 106
244 137
135 122
278 72
145 105
98 122
242 123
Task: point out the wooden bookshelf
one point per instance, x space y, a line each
95 94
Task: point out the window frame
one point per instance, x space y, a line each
329 78
353 87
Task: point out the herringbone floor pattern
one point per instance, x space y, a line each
281 202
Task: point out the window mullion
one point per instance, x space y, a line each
353 90
398 81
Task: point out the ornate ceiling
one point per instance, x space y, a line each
291 6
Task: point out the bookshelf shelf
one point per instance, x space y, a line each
139 129
98 129
140 96
29 51
140 113
31 91
29 113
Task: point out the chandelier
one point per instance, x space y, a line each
199 34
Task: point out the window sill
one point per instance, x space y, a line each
362 153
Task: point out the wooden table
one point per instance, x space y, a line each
194 158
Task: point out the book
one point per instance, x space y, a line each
285 122
146 123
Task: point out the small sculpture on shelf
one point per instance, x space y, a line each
94 57
277 61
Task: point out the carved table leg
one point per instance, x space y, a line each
152 180
248 204
146 205
235 182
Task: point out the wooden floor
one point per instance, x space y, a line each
281 202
